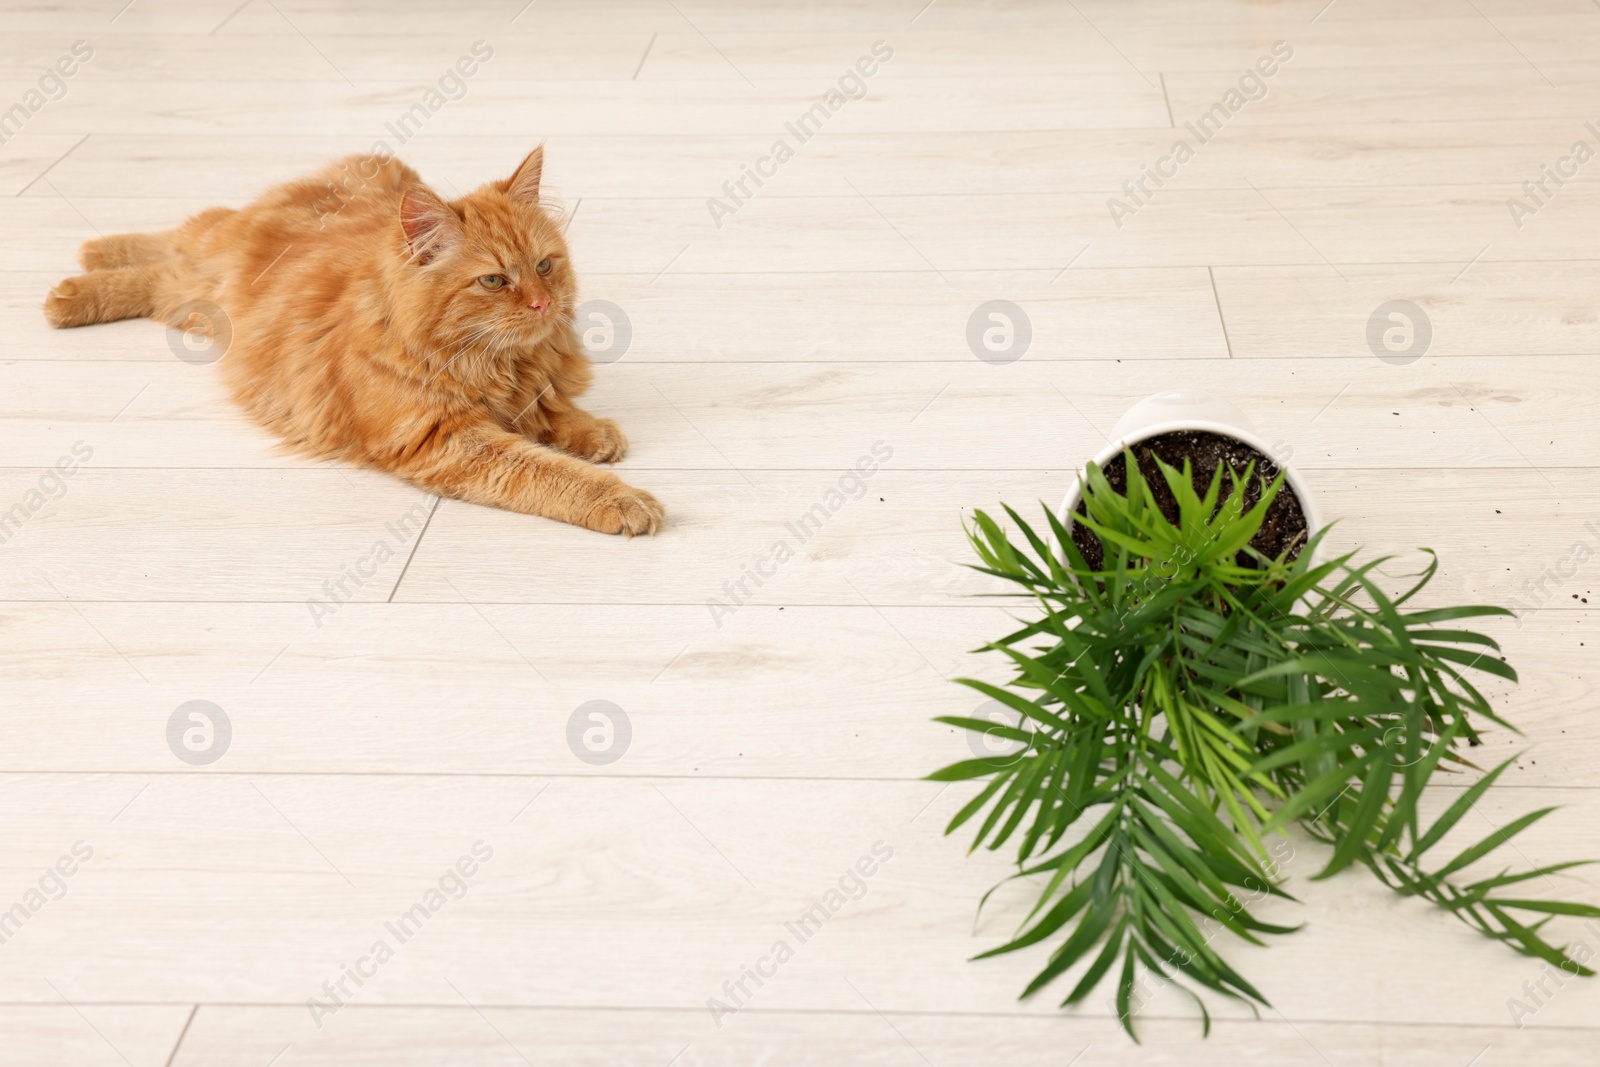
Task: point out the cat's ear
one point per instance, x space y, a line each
523 186
430 226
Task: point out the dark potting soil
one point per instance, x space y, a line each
1283 528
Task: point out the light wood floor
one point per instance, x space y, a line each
769 748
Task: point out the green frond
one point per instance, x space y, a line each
1186 700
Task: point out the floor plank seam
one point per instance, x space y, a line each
52 166
674 1009
646 777
1047 270
1222 320
414 546
839 605
646 54
1036 471
173 1055
1074 362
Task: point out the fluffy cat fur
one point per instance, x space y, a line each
367 326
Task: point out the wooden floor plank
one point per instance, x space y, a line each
652 894
1457 226
726 16
346 59
131 535
490 689
877 164
1224 47
912 316
1528 413
1093 99
228 18
94 531
1528 309
507 1037
25 157
1508 89
90 1035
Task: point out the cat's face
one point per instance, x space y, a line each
491 268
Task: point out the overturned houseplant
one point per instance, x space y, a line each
1197 680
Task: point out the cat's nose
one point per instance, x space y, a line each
541 304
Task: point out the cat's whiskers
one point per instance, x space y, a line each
462 347
497 344
470 334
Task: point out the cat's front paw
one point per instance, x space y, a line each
602 441
624 509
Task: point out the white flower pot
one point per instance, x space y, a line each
1162 413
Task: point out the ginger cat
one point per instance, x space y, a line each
375 323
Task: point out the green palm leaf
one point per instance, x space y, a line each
1193 698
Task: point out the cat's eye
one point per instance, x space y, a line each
492 282
543 267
